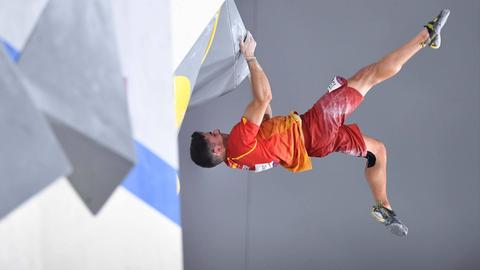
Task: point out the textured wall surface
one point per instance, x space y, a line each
92 159
93 95
25 136
428 117
79 86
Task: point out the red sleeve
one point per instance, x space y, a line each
242 138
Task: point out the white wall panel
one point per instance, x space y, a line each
54 230
18 18
189 18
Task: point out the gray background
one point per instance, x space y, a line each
428 116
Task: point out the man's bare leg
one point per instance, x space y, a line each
388 66
393 62
363 81
377 174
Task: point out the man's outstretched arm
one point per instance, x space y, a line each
261 92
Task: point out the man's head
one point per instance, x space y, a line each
207 149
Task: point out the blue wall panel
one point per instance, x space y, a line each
12 52
155 182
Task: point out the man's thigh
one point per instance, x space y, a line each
328 114
364 79
351 141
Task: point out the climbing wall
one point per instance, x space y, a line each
92 95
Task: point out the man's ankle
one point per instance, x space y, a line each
385 204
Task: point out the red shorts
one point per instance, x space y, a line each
323 125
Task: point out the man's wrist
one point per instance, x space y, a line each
250 58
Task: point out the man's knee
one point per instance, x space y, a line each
377 151
385 69
380 150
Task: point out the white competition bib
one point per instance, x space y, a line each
263 166
336 83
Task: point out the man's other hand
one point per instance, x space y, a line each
248 46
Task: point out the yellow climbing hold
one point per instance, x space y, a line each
182 97
178 185
212 36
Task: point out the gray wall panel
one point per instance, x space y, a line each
72 59
224 68
30 155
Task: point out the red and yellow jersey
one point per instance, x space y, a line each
278 140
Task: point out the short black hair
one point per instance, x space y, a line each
200 151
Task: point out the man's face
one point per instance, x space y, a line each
214 137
